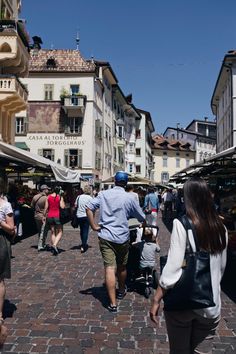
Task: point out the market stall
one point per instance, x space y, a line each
61 173
22 169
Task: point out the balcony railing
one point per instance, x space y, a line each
13 94
74 103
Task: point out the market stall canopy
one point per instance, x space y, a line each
222 164
61 173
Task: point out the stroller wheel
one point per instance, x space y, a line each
155 279
147 292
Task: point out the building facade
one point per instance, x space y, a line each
79 117
223 103
170 157
14 58
144 157
200 134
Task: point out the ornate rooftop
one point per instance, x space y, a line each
59 60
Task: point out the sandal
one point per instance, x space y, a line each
3 332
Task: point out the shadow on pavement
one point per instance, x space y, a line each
98 292
8 309
76 247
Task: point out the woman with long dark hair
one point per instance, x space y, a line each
188 330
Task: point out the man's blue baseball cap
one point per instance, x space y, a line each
121 176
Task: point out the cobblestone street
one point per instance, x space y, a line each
57 305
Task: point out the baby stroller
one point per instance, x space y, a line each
141 279
147 281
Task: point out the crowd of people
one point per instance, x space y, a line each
117 206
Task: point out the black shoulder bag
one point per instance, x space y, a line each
75 222
194 288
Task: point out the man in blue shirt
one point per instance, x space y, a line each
116 207
151 204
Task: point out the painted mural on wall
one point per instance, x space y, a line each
44 117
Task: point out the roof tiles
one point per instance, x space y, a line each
66 60
162 143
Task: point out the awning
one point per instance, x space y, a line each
22 145
222 164
61 173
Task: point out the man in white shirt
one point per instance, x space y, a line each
168 204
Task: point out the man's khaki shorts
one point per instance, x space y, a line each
114 254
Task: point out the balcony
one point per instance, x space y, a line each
13 94
151 165
14 48
120 141
74 105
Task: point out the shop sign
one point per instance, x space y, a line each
50 140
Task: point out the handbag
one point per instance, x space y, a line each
65 215
194 288
75 221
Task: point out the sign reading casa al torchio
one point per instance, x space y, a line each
57 140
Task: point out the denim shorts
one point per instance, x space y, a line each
114 254
54 221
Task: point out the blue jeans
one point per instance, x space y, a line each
84 230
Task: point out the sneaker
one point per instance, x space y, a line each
150 279
83 249
121 294
112 308
140 278
41 248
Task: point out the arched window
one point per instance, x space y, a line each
5 48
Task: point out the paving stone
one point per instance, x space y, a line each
56 349
58 305
74 350
127 344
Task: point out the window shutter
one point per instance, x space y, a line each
66 157
53 155
97 128
26 124
80 158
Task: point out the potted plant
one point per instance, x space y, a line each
64 93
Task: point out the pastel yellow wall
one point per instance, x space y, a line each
171 162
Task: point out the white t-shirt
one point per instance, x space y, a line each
5 209
81 201
173 270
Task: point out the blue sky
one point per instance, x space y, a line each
166 53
